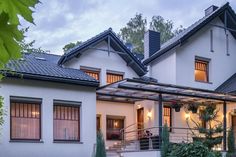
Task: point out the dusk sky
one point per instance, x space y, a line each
59 22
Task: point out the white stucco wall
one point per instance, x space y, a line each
105 108
221 66
164 68
103 61
48 92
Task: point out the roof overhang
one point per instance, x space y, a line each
132 90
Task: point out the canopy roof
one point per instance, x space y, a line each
131 90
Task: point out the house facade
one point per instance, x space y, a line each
55 104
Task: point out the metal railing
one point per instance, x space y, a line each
150 139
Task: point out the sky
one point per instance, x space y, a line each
59 22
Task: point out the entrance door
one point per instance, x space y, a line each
140 121
234 124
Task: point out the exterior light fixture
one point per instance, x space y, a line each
187 116
149 115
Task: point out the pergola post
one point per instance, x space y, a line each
160 115
224 125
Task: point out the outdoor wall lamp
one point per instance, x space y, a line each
149 115
187 116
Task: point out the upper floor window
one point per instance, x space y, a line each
25 119
95 73
201 70
113 77
66 121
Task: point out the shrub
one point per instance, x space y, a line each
231 144
165 141
195 149
100 148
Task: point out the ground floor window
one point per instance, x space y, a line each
114 125
25 119
98 121
167 116
66 122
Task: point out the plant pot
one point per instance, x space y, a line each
144 143
155 142
194 110
177 109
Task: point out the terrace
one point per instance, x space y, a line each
135 138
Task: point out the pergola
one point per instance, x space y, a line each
137 89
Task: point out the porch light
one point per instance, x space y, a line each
187 116
149 115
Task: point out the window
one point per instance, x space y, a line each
114 125
203 123
25 120
66 122
201 70
167 116
111 77
93 73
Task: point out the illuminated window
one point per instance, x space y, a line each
167 116
201 71
93 73
66 122
111 77
25 120
114 125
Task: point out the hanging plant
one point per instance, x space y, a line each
176 106
193 107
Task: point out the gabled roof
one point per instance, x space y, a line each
129 57
187 33
44 67
229 86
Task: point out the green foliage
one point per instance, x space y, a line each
70 46
165 141
195 149
10 35
2 111
29 47
134 30
13 8
211 135
100 147
231 143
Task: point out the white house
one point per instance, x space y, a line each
55 104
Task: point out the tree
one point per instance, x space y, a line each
29 47
210 134
231 143
134 30
165 141
100 147
70 46
10 35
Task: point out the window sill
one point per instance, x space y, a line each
68 142
26 141
203 82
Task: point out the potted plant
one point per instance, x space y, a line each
193 107
176 106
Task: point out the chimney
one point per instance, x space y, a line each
152 43
211 9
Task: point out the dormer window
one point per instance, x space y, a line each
95 73
114 77
201 70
